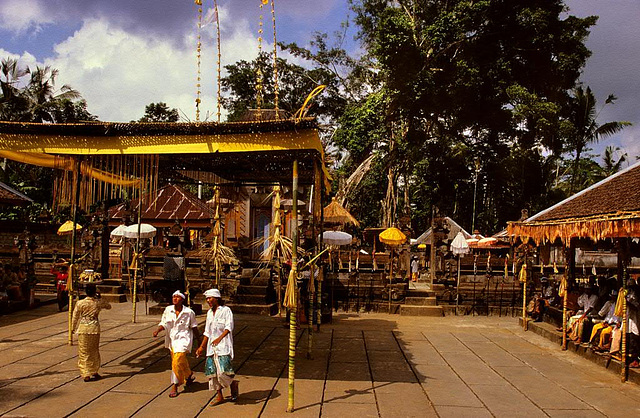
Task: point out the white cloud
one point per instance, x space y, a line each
23 15
119 73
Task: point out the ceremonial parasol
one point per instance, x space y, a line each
119 231
336 238
392 236
146 231
335 213
459 247
67 228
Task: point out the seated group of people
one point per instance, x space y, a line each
12 281
598 322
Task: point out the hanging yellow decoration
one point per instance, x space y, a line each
523 273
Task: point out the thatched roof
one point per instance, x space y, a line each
335 213
608 209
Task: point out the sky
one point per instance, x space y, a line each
124 54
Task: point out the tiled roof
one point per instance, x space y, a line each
617 193
172 203
11 196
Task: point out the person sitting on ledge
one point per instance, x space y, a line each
601 332
587 302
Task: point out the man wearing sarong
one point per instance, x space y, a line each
601 332
181 328
587 302
218 345
87 325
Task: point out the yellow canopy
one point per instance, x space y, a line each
392 236
67 228
106 138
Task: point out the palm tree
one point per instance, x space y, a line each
12 103
586 130
43 98
610 164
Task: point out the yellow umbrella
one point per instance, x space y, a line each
422 246
67 228
392 236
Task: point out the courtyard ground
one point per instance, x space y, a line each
364 365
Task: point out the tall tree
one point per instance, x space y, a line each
585 128
459 74
159 112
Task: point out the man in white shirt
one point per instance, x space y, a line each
602 331
587 302
181 327
217 342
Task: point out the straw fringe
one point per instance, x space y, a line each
621 224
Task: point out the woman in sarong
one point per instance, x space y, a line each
218 345
87 325
181 327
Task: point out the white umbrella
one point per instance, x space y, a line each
336 238
459 247
119 231
146 231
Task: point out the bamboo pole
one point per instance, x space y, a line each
320 248
311 285
138 259
390 276
293 310
524 295
70 286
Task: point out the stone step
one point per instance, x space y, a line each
107 289
420 293
45 288
259 281
265 309
412 310
420 301
252 290
250 299
248 273
114 298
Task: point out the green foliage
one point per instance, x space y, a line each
159 112
474 80
37 99
30 95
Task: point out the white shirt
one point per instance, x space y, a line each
216 324
179 330
414 266
587 302
608 311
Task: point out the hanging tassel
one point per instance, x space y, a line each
523 273
290 292
555 267
349 261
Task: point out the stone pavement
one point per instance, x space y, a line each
368 365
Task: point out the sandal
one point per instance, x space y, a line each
190 380
87 379
173 394
96 377
217 401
